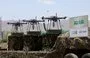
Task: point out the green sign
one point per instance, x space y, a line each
78 22
78 26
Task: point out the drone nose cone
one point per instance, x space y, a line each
23 20
65 17
8 23
43 17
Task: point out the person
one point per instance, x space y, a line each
71 55
87 55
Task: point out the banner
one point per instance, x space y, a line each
78 26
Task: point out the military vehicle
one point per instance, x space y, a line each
33 38
53 29
71 47
15 40
59 45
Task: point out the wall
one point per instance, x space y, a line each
22 54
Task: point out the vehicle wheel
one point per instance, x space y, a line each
70 55
87 55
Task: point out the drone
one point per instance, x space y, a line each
16 24
33 22
53 18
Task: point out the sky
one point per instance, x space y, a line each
28 9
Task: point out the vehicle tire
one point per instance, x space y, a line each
87 55
70 55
